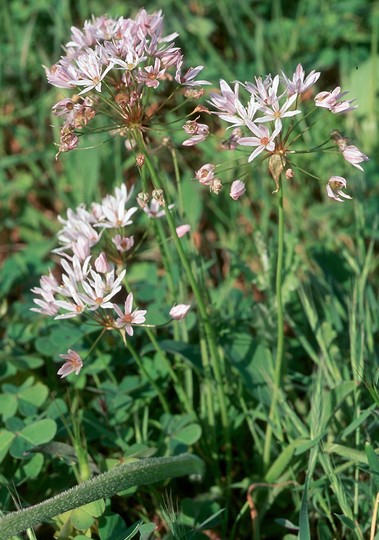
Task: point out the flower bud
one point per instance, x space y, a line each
237 189
179 312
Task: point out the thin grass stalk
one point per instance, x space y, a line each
280 329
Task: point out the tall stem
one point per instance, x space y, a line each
215 359
278 373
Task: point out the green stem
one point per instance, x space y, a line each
278 373
142 472
177 383
210 337
156 387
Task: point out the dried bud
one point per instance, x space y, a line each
215 185
143 199
276 166
140 160
289 174
158 196
193 93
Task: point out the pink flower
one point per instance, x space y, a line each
205 174
123 243
102 264
179 312
332 101
237 189
263 139
334 188
354 156
129 318
74 363
298 85
181 230
198 131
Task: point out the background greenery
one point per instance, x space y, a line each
320 473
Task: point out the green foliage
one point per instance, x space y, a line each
322 478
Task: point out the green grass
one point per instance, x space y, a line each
160 397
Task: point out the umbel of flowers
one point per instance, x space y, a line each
263 116
118 69
94 245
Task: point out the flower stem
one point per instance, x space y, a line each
214 356
142 472
156 387
278 373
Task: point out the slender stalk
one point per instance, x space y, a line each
278 373
210 337
177 383
142 472
156 387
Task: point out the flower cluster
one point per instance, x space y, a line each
90 277
113 65
259 120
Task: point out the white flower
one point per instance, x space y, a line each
129 318
263 139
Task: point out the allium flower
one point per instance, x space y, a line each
179 311
129 318
205 174
275 112
123 243
198 131
237 189
334 188
89 71
263 139
102 264
73 365
299 85
98 292
113 62
332 101
354 156
155 210
181 230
